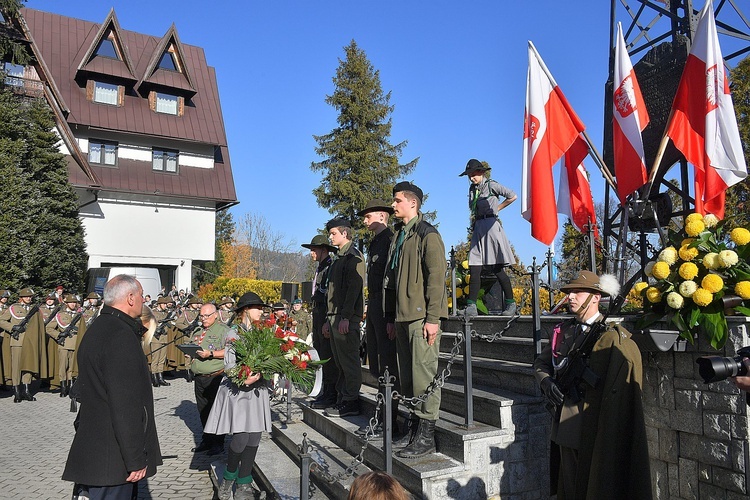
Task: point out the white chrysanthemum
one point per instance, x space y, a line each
668 255
728 258
711 260
649 269
710 220
688 288
675 300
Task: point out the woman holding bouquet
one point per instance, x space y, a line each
242 408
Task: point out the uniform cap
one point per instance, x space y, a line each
278 305
408 186
93 295
588 281
337 222
26 292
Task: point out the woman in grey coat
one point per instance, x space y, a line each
489 248
243 411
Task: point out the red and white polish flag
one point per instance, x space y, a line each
550 128
574 193
704 125
629 118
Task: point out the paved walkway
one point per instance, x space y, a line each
37 436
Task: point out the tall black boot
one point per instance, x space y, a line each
160 376
154 380
26 393
423 443
64 390
325 399
17 394
411 430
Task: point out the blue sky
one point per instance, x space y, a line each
456 70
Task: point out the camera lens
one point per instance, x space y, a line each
717 368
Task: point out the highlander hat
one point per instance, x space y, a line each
586 280
320 241
474 166
26 292
225 301
278 305
249 299
408 186
164 300
375 205
195 300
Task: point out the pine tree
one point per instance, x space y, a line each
12 48
359 161
41 237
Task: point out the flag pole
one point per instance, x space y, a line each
592 149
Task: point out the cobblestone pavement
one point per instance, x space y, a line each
37 437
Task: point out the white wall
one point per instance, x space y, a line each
198 156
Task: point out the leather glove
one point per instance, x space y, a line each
552 391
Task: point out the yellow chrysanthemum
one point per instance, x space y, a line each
660 270
710 220
668 255
702 297
648 270
694 217
712 282
711 261
687 241
675 300
640 286
688 271
694 228
653 295
467 279
688 253
740 236
465 264
688 288
743 289
728 258
459 293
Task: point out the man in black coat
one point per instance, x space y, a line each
115 445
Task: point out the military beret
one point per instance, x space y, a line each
297 301
337 222
375 205
408 186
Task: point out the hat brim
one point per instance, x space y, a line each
470 170
575 288
388 210
330 248
240 307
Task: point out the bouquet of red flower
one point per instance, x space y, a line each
267 349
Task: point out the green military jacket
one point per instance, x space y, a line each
346 281
414 285
60 322
213 340
304 323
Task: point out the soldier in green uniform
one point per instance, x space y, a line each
4 344
416 296
302 321
226 310
346 303
186 319
63 327
91 308
158 349
50 307
208 370
28 355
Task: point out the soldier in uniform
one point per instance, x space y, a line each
63 327
302 321
346 304
157 346
28 355
320 250
50 307
186 320
226 310
4 344
91 308
381 347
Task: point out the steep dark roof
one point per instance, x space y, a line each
63 42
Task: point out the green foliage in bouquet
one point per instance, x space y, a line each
267 349
701 275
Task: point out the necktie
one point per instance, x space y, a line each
397 249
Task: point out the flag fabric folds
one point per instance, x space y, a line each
550 128
574 194
703 124
629 118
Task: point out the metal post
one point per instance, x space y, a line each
549 280
288 401
387 382
305 461
592 247
468 391
454 302
535 308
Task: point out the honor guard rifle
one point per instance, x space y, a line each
18 329
52 314
161 327
71 329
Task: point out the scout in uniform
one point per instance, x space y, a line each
64 329
302 322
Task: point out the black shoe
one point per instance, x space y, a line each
323 401
160 378
154 380
188 376
423 442
215 449
63 384
17 394
345 409
26 393
365 432
204 446
411 430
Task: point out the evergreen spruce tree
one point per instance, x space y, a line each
359 161
12 48
41 237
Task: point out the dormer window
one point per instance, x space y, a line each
107 47
166 103
168 61
105 93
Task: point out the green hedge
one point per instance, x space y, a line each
269 291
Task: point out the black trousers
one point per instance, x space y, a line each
206 388
323 346
381 351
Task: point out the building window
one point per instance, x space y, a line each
102 153
107 47
106 93
166 103
13 74
165 160
167 61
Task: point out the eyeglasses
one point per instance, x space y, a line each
204 316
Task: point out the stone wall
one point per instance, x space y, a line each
698 435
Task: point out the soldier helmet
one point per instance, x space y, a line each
5 294
26 292
69 297
93 295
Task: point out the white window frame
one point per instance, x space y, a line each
106 93
165 160
167 103
102 153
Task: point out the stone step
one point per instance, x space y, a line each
508 375
521 327
492 405
519 349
